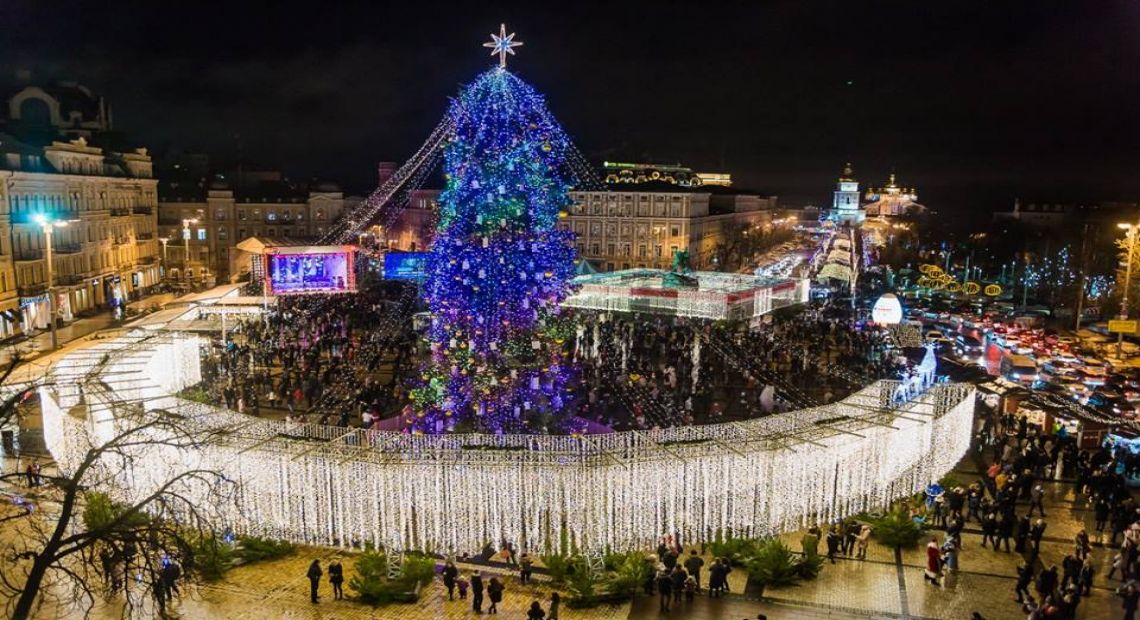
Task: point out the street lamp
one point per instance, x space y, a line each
48 226
186 246
164 241
1131 233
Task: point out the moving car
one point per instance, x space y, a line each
1019 369
968 346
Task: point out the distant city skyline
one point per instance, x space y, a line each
975 104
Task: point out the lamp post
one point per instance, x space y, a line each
164 241
48 227
186 246
1131 234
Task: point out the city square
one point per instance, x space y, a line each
505 371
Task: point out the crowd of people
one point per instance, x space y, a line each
345 360
319 356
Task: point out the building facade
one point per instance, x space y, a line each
104 248
645 228
227 209
845 205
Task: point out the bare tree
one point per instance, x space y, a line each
125 507
11 399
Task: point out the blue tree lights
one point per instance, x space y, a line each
499 268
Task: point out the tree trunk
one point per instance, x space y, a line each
31 591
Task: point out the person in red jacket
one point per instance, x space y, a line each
933 562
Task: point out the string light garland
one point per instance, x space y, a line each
317 484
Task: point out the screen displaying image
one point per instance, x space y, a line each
310 273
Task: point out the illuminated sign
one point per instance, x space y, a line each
405 265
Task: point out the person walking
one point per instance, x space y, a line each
693 565
450 573
716 579
1036 500
495 594
1046 582
678 576
1131 597
1004 531
314 576
1086 576
526 567
665 589
555 603
171 572
336 578
850 537
1101 510
1036 534
1024 578
477 592
810 542
933 562
833 542
535 612
1024 527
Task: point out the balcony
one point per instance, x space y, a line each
148 260
120 211
67 248
144 236
169 220
142 210
31 290
119 241
29 254
68 280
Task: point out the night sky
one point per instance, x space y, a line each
973 102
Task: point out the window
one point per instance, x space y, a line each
657 251
222 233
271 216
241 233
675 231
241 214
201 234
594 249
641 251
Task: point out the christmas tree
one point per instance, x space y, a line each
498 268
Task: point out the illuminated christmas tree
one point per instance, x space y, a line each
498 268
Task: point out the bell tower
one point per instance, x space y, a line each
845 204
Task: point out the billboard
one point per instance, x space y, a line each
303 270
405 265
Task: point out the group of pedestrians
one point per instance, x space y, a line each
336 579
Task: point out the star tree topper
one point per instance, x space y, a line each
502 43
